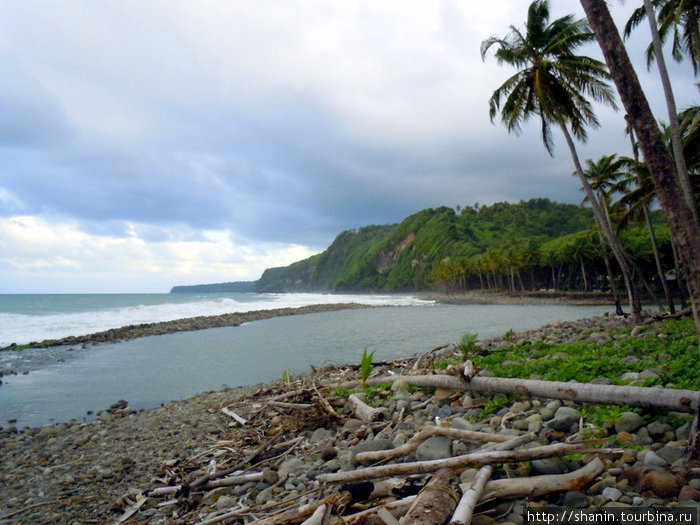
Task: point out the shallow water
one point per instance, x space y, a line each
154 370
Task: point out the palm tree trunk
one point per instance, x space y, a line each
676 142
650 228
608 268
583 274
657 259
679 279
681 216
610 236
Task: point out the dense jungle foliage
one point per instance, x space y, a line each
525 246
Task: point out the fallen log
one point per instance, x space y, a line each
540 485
435 502
475 459
428 432
465 508
663 398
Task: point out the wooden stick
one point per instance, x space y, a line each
234 480
540 485
397 508
465 509
664 398
319 517
363 411
435 502
282 404
324 402
428 432
133 509
235 416
475 459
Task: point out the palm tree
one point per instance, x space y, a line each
684 228
680 17
676 143
553 83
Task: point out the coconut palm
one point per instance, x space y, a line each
681 18
554 83
676 142
684 228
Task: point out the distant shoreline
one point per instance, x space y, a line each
128 332
521 298
189 324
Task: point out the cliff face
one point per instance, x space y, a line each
402 257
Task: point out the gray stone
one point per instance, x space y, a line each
657 429
290 466
683 432
372 445
649 373
575 499
321 434
651 459
563 419
611 493
463 424
628 422
549 466
671 453
630 376
436 447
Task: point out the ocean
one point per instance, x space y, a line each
60 384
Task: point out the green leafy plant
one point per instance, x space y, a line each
469 345
366 366
509 336
287 376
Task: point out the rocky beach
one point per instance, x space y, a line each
275 452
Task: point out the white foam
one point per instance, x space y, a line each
23 329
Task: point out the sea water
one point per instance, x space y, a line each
26 318
64 384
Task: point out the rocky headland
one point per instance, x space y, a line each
273 452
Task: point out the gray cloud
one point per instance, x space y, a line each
283 125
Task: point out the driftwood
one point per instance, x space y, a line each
465 509
663 398
396 508
545 484
363 411
475 459
230 413
428 432
319 517
436 501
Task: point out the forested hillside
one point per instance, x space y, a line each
438 247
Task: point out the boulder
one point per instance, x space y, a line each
564 418
436 447
628 422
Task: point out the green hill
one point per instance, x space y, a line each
410 255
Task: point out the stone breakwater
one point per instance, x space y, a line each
165 465
183 325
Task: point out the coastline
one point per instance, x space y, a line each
128 332
521 298
203 322
104 468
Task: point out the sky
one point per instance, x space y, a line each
147 144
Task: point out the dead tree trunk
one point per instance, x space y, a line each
664 398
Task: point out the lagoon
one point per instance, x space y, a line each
154 370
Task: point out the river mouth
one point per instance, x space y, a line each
153 370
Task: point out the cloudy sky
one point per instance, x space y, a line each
145 144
